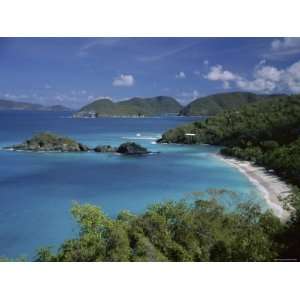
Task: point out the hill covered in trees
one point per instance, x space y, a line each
161 105
266 133
172 231
154 106
180 231
214 104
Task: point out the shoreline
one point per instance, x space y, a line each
270 186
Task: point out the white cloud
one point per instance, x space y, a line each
206 62
218 73
268 73
292 77
266 79
180 75
280 48
285 43
124 80
259 85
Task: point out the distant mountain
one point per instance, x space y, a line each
57 108
16 105
214 104
137 106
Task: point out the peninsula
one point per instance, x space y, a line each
264 133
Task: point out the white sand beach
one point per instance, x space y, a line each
270 186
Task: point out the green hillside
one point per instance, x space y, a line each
214 104
267 133
160 105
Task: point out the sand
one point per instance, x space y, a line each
270 186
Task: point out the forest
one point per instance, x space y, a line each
201 230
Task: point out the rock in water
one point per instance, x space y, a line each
50 142
105 148
131 148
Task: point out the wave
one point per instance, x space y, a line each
139 137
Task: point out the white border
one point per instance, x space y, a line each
145 281
209 18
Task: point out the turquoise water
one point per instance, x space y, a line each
37 189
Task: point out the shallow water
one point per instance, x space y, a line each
37 189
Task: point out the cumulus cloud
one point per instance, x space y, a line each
266 78
292 77
124 80
217 73
180 75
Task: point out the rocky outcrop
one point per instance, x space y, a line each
105 148
50 142
131 148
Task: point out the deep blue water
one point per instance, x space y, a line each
37 189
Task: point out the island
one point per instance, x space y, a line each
131 148
134 107
216 103
49 142
27 106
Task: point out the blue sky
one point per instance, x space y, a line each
75 71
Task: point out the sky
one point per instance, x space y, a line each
76 71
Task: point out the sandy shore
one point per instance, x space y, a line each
270 186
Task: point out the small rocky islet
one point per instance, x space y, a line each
49 142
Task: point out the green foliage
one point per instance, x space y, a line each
214 104
171 231
133 107
265 132
45 138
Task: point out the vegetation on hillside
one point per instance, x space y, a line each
214 104
181 231
266 133
173 231
47 141
133 107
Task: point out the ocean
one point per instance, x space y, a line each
37 189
